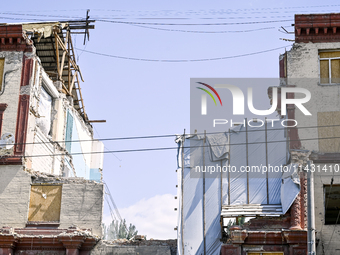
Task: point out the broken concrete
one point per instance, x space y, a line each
141 247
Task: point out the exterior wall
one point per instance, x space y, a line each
324 232
15 185
11 91
26 164
82 205
303 71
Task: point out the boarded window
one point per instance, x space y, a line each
45 201
2 64
329 67
328 143
332 204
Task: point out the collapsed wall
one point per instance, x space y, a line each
141 247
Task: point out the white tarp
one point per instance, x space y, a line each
45 109
201 211
290 187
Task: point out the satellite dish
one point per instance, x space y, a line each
7 141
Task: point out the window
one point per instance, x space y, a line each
332 204
329 67
45 201
45 111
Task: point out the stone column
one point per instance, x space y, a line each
7 241
295 214
72 243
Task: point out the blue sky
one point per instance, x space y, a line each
140 98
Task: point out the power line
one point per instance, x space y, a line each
192 24
168 135
211 11
204 32
175 148
143 23
184 60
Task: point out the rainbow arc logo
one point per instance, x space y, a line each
209 93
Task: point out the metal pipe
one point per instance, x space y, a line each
310 212
266 136
182 194
248 200
204 230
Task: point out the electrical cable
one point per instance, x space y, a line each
169 135
175 148
203 32
193 24
184 60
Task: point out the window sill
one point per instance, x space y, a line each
42 224
328 84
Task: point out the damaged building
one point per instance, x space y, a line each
51 190
274 204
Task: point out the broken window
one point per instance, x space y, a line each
329 67
2 64
332 204
45 201
45 111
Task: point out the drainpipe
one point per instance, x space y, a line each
310 212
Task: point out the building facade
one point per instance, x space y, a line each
51 190
313 63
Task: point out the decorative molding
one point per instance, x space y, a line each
317 28
21 129
12 39
325 157
23 109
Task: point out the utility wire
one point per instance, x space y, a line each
183 60
203 32
115 207
175 148
259 9
100 19
170 135
192 24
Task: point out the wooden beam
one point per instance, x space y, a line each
72 83
82 27
75 66
57 53
96 121
63 57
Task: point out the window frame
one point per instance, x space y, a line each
325 204
329 68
